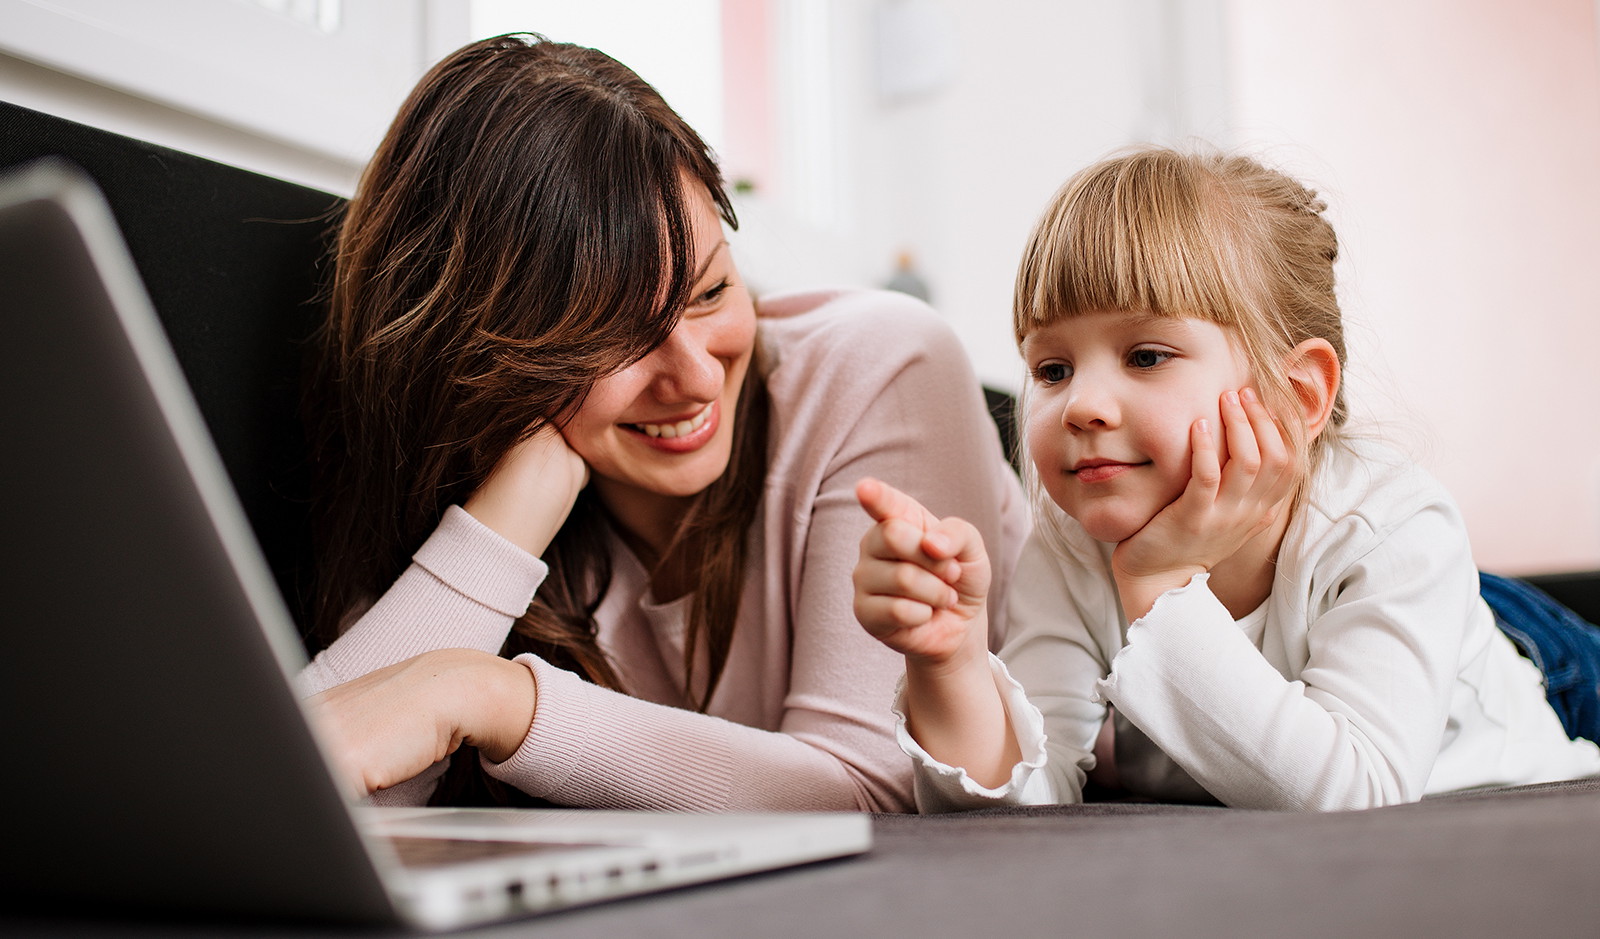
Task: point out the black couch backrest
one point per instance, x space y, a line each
232 261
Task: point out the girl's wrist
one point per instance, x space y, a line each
971 655
1139 592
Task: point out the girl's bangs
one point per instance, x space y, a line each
1111 243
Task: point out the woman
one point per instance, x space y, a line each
539 351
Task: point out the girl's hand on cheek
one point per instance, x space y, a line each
1221 508
530 492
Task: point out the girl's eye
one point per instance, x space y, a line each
1147 358
1051 372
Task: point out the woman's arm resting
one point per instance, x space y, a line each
531 490
391 724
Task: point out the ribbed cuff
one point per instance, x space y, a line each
598 748
477 562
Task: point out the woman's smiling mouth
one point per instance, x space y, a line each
677 428
682 436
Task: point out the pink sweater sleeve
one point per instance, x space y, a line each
465 587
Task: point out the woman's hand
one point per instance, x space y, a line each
531 490
921 581
389 725
1221 508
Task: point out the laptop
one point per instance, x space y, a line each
157 755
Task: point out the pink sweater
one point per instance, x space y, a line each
862 383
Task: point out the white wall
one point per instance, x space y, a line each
957 174
302 90
1458 142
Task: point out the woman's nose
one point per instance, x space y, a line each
687 369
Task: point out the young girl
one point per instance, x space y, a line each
1275 614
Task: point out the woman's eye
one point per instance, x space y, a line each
1147 358
1051 372
713 293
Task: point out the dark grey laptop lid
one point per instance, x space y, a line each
156 753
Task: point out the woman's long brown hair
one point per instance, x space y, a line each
521 232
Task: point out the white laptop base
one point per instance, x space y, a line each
621 856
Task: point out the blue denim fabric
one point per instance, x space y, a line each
1565 646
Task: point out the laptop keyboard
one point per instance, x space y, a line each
439 852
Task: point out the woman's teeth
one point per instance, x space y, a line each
679 429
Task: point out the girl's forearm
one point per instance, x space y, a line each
1139 594
955 712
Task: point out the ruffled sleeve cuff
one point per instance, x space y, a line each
1180 617
940 787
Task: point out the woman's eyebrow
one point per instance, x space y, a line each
712 256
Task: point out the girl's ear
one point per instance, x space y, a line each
1313 369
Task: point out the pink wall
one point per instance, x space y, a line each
748 94
1459 142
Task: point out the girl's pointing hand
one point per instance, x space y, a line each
921 580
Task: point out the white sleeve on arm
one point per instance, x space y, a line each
465 587
941 787
1362 723
1046 675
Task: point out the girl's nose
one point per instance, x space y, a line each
1090 406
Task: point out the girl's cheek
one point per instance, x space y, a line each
1040 440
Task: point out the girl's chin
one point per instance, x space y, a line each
1110 530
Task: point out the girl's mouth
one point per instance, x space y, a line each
1100 472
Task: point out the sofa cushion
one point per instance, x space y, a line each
231 260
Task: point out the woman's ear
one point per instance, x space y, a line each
1313 369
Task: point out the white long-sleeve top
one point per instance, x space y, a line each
1373 674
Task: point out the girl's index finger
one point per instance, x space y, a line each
883 502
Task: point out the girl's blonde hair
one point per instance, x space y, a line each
1207 235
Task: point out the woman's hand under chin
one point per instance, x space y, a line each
1223 506
391 724
530 492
